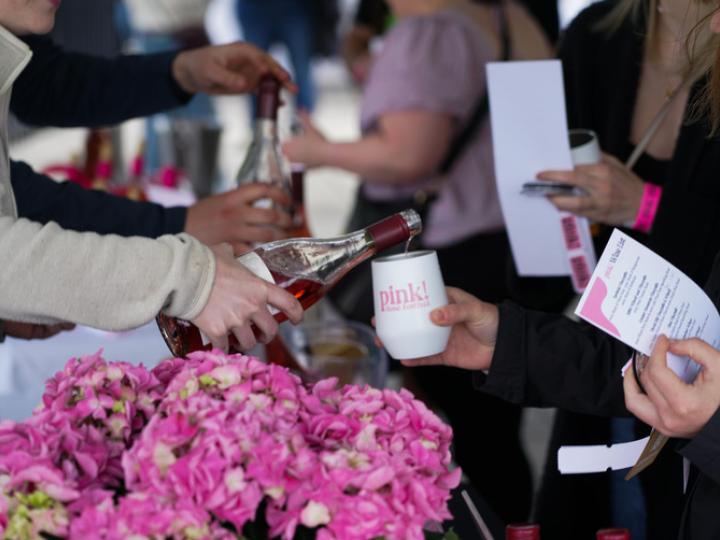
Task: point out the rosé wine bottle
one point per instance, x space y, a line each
277 351
305 267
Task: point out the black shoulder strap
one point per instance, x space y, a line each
467 133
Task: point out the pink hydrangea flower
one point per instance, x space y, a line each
193 448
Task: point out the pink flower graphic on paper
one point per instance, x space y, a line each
592 309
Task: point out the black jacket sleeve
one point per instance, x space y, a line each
547 360
41 199
703 450
64 89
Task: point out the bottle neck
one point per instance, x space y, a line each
265 130
326 261
268 100
362 245
390 232
297 176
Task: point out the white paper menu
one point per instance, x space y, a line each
529 131
635 295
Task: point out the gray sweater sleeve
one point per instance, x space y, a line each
50 274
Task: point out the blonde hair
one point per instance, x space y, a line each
702 48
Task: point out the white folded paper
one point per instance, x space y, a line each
599 458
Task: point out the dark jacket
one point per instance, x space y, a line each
547 360
71 90
602 72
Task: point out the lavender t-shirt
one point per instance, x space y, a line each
437 63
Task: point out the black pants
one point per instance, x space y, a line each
486 429
577 505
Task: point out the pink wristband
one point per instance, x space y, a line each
648 207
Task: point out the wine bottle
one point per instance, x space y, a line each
93 141
305 267
135 189
524 531
265 161
104 168
613 534
300 227
277 351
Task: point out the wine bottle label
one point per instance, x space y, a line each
257 266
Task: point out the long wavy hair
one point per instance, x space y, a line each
702 47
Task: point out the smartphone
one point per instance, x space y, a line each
543 189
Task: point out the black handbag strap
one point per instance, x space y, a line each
467 133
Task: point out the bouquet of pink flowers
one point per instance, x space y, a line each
220 447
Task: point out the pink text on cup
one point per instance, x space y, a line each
404 298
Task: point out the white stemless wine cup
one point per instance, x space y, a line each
406 288
584 147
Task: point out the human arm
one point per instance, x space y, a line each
588 54
532 358
64 89
410 113
612 192
42 199
407 146
52 275
231 218
227 217
678 409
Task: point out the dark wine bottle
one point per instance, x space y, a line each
522 531
613 534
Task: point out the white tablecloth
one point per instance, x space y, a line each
26 365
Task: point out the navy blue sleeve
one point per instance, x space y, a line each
41 199
64 89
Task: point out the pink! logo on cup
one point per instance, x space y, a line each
406 288
404 298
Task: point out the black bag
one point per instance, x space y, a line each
353 295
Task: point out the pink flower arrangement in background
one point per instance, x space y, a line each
218 447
